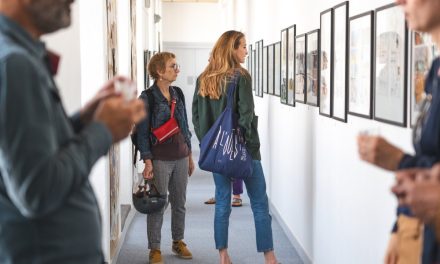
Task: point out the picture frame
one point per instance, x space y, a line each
284 66
423 52
271 69
265 86
340 61
326 63
360 70
291 33
254 71
300 68
390 64
259 77
277 68
312 68
249 63
146 77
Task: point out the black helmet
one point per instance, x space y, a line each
148 201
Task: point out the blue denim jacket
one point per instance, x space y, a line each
157 115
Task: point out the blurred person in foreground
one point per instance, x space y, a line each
422 16
49 213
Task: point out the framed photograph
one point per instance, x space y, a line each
326 62
284 65
291 33
270 69
265 88
259 83
340 61
361 65
277 68
312 68
300 68
390 65
249 62
423 52
146 77
254 71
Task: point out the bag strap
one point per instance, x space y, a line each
231 90
173 106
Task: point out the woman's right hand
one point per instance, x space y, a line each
148 170
391 255
377 151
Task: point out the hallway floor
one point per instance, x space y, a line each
199 233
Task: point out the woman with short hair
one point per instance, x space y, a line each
167 163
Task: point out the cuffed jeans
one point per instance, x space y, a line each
256 189
169 176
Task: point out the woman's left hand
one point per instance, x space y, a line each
191 165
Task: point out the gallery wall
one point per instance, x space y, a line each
334 207
66 43
195 22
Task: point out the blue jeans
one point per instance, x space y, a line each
256 189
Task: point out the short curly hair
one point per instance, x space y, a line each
158 63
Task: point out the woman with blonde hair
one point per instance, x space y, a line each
210 99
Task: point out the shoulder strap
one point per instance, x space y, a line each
173 106
230 91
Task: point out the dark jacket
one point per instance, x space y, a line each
427 154
48 210
158 112
206 111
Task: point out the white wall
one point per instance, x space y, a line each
66 44
338 208
193 22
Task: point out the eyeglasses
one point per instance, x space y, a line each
176 67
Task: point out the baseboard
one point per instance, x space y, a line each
123 234
296 245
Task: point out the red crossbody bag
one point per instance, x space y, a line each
169 128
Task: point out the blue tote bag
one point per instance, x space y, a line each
223 149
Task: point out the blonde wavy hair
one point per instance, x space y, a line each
222 65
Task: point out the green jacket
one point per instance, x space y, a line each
206 111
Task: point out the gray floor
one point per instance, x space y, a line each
199 233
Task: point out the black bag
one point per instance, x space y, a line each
148 201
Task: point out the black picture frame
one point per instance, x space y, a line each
326 63
146 77
284 65
300 68
291 44
277 68
271 69
249 62
340 62
312 71
265 69
390 66
254 71
360 70
259 77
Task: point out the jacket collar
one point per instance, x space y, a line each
159 95
18 34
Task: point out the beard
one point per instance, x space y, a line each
50 15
